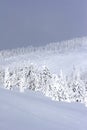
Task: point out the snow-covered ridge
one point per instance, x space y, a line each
68 45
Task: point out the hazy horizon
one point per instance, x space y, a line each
30 22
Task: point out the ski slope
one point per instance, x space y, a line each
33 111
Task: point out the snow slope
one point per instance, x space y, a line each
33 111
57 56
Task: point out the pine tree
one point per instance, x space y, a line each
46 81
22 83
7 79
31 77
60 88
77 88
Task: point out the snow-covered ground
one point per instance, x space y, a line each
33 111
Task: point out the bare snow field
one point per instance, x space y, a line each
33 111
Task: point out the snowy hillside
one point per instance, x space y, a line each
32 111
58 70
61 55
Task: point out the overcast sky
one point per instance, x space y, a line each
38 22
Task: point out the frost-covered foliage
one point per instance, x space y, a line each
62 46
77 88
58 87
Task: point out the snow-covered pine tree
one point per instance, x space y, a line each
38 82
46 81
8 78
2 73
76 88
22 81
54 91
60 88
31 77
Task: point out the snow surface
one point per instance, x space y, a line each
33 111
